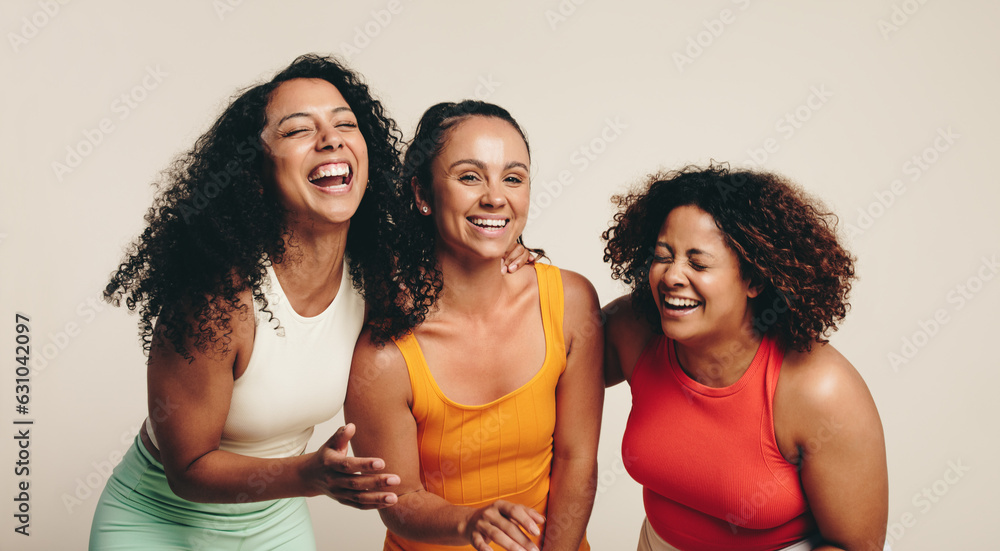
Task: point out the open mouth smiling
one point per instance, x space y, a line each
331 175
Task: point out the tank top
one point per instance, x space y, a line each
475 455
713 477
297 374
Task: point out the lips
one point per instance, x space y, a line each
489 224
331 175
678 306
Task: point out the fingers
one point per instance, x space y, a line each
366 499
502 522
527 520
514 258
363 491
340 438
338 463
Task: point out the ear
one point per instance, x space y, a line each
755 288
421 199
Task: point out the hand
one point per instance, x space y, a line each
353 481
502 522
516 256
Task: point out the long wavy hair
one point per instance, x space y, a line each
417 280
216 222
785 240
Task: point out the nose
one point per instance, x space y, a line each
329 138
493 195
674 275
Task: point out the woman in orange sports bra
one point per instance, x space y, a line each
488 403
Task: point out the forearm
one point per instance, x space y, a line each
226 477
426 517
571 499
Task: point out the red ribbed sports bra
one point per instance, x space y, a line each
712 475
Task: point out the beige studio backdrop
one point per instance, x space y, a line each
884 108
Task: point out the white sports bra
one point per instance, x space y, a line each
297 374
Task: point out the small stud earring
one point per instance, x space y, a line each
424 209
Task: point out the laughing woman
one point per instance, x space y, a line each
488 403
747 431
248 292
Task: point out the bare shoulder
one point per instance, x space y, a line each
819 392
821 378
578 290
622 318
377 368
626 334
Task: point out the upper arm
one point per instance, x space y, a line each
378 403
580 392
189 398
626 334
838 433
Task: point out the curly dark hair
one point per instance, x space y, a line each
216 222
417 279
786 242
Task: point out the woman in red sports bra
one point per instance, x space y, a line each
748 430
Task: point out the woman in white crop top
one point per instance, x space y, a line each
249 313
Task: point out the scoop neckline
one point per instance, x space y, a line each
549 350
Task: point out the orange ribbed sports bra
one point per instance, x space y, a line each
475 455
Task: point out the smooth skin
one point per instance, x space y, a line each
483 173
309 123
825 419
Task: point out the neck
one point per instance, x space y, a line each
312 266
719 360
471 286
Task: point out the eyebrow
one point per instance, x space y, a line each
301 114
690 252
482 166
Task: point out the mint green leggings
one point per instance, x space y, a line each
138 510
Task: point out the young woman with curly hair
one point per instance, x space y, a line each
488 402
748 430
247 281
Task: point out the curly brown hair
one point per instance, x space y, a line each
785 240
217 223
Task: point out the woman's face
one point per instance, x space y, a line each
318 155
480 189
695 279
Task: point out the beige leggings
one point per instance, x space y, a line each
650 541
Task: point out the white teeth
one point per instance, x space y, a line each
681 302
339 169
488 222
